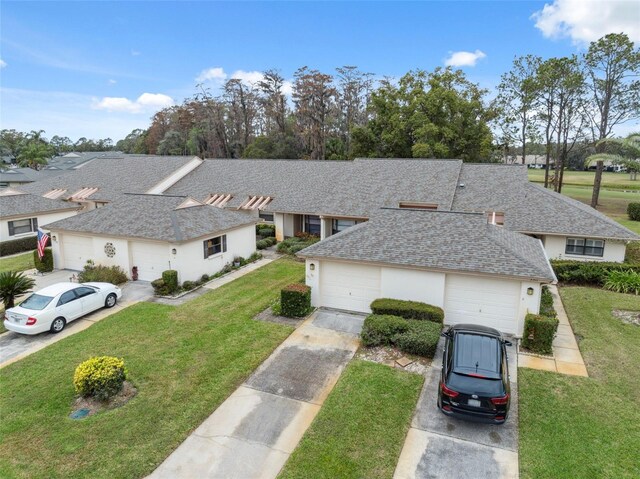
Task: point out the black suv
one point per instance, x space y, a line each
474 383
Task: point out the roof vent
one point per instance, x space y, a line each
461 185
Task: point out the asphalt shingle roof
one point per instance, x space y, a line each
28 175
18 205
113 176
154 217
438 240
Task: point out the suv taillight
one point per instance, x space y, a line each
501 400
448 392
31 321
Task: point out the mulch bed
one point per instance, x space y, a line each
393 357
95 406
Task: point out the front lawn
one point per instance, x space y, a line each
573 427
21 262
360 430
184 361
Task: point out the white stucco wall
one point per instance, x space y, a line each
555 247
43 220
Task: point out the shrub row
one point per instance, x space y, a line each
410 336
622 281
539 332
295 300
102 274
633 210
408 309
19 245
266 242
546 303
588 272
44 265
293 245
265 231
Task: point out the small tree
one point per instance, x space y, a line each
12 285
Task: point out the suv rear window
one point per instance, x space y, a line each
476 354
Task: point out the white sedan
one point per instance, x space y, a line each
51 308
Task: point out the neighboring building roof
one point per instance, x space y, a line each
113 176
529 207
154 217
26 204
28 175
75 159
350 188
447 241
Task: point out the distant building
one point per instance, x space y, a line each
75 159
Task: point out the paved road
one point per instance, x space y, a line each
252 433
439 446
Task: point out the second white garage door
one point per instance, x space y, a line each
349 286
76 250
484 301
150 258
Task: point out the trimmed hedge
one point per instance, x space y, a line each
265 231
408 309
409 335
170 278
19 245
100 377
379 329
160 288
295 300
546 304
293 245
633 210
265 243
588 272
44 265
102 274
539 332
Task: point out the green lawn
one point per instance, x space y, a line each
184 360
573 427
361 427
20 262
585 178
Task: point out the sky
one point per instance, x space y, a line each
101 69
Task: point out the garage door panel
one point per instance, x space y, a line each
349 286
151 260
76 251
484 301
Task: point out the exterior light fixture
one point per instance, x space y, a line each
312 266
174 251
530 291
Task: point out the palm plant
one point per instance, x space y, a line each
12 285
621 151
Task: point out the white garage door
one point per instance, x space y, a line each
76 250
150 258
349 286
484 301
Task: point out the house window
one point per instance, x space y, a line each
340 225
215 245
268 217
585 247
19 227
312 224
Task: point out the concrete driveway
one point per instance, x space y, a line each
14 346
438 446
252 433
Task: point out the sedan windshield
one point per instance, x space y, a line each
36 302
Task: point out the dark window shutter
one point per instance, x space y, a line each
206 250
35 224
224 243
11 229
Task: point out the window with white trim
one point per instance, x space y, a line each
215 246
585 247
18 227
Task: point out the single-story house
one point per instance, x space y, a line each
154 233
17 177
22 214
477 272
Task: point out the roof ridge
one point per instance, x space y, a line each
455 186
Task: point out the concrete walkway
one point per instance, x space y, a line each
253 432
439 446
567 358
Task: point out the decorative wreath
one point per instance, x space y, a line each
110 250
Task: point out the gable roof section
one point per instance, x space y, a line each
113 176
446 241
348 188
26 204
529 207
28 175
154 217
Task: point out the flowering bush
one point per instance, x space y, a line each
100 377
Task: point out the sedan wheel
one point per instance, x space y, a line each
110 301
58 325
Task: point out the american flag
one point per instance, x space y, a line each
42 242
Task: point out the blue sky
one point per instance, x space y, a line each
100 69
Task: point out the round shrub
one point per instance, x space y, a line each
421 338
170 278
188 285
295 300
204 278
44 265
100 377
379 329
633 210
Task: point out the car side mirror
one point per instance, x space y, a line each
508 343
444 334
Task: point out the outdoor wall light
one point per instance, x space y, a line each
174 251
312 266
54 238
530 291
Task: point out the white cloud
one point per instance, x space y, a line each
135 53
144 103
586 21
287 88
2 63
216 74
112 81
251 78
464 59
